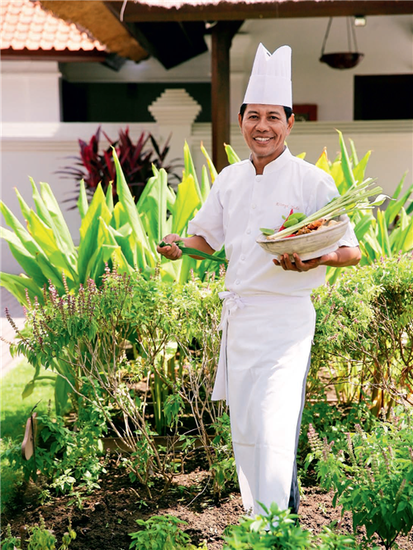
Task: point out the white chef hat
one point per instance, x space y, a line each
270 80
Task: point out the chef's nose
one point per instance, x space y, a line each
262 124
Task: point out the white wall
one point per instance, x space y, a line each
30 91
386 42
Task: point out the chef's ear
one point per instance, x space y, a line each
290 122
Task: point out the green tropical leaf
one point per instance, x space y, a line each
205 186
231 154
360 169
152 206
354 156
189 169
345 162
58 223
17 285
23 257
394 207
212 170
383 233
46 239
323 162
89 232
82 202
24 207
109 197
187 201
126 199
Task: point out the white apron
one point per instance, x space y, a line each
265 349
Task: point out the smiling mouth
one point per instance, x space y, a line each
262 139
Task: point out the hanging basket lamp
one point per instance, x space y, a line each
342 60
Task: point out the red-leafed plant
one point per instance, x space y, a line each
136 159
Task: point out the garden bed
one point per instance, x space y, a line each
107 516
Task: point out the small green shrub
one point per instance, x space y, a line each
12 477
373 478
40 538
66 457
364 334
333 423
277 529
160 533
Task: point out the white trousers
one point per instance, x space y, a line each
268 344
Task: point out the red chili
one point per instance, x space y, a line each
282 227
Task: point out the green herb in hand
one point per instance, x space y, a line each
188 251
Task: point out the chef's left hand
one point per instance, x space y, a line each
298 264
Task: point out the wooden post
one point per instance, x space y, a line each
222 33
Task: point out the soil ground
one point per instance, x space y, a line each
110 513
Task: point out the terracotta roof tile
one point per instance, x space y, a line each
24 24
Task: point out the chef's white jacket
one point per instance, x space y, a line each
240 202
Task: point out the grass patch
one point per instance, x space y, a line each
14 409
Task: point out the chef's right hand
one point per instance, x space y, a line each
172 252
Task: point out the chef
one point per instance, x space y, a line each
268 320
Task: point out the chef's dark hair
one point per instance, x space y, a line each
288 111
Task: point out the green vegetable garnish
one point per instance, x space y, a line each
188 251
266 231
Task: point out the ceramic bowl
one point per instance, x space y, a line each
309 246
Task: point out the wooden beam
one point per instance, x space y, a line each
222 34
228 10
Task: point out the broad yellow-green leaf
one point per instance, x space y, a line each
345 162
399 186
354 156
119 217
58 223
41 209
53 274
152 206
394 207
360 169
336 172
121 263
205 186
82 202
109 197
46 239
89 231
212 170
24 207
383 233
26 239
125 197
123 237
23 257
323 163
187 201
98 260
231 154
190 168
364 225
401 238
17 284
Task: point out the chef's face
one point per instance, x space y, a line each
265 128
